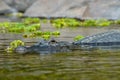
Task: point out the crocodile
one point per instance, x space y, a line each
106 41
109 40
45 47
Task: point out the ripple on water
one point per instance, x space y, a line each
76 64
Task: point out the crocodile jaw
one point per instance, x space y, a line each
21 50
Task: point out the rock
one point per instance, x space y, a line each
71 13
83 9
43 8
64 8
4 8
103 9
20 5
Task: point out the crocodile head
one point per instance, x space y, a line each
21 50
51 46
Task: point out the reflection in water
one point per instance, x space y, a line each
62 66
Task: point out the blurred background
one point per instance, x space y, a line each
82 9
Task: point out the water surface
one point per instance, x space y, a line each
79 65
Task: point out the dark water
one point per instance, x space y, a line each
79 65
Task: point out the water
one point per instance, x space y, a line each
79 65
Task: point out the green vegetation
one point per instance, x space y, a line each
79 37
96 23
29 27
103 22
14 44
18 14
65 22
40 34
117 22
31 20
44 20
21 28
68 22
